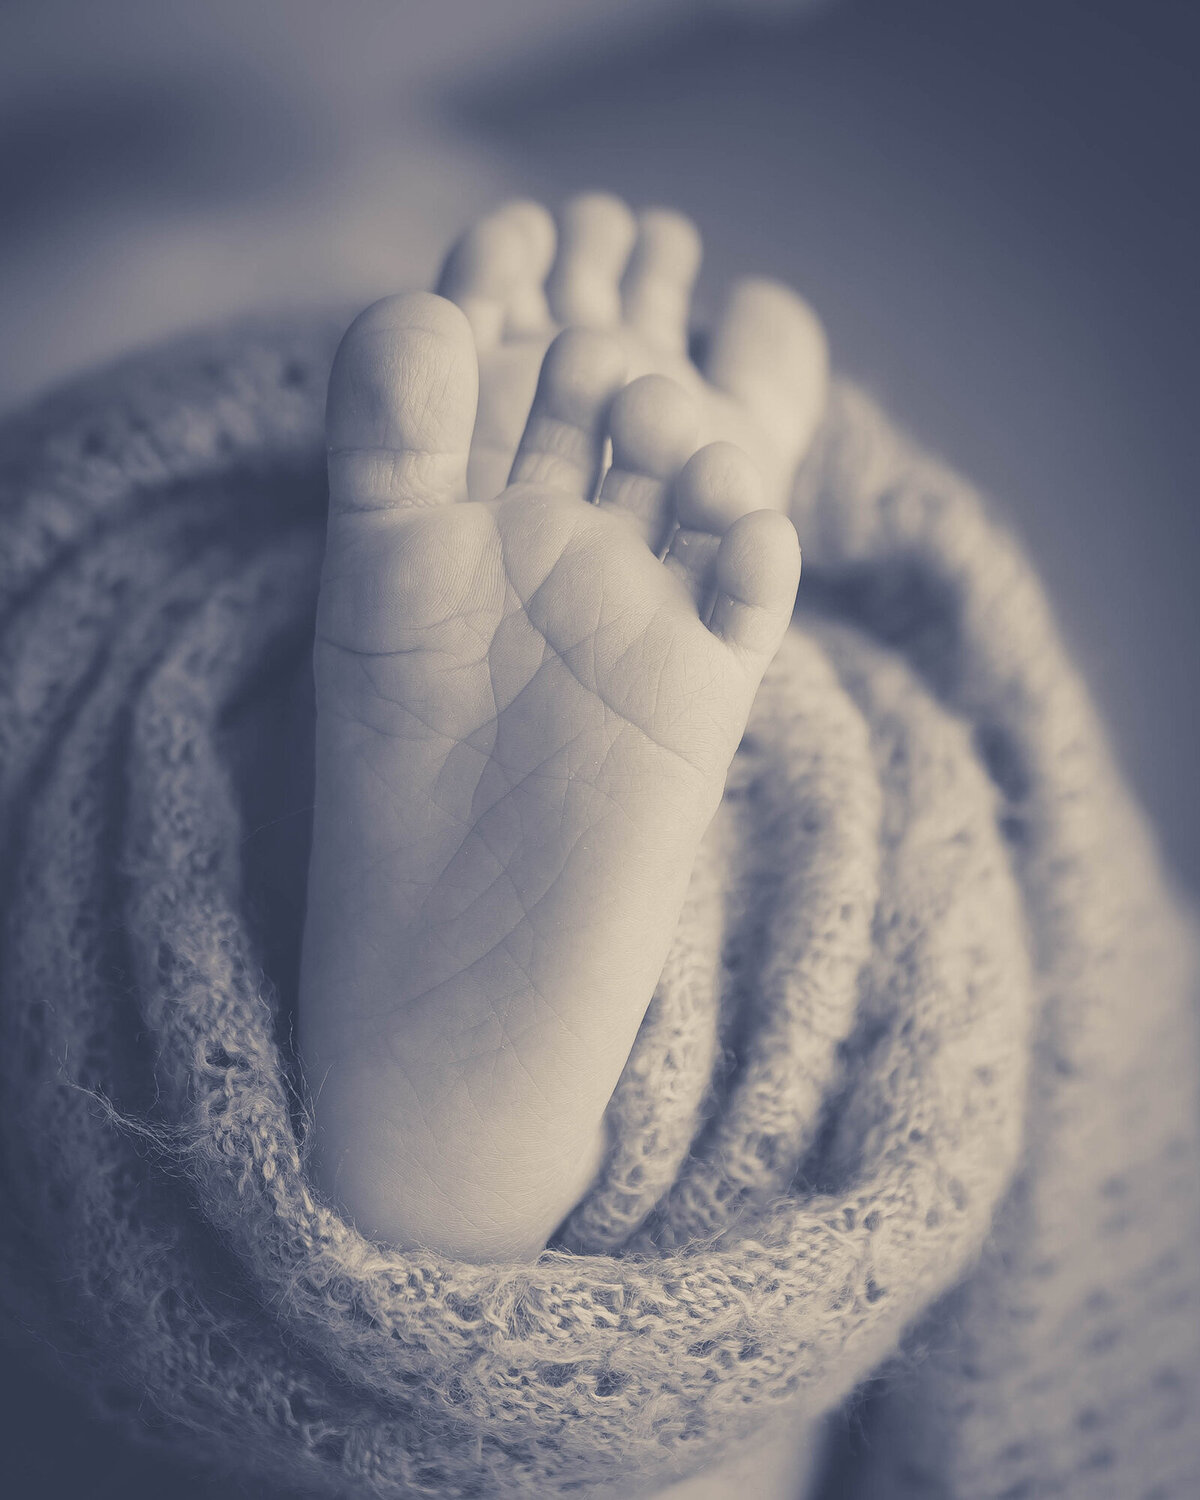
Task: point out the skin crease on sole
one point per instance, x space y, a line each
531 677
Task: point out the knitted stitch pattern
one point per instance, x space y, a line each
916 1092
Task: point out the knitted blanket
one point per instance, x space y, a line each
913 1109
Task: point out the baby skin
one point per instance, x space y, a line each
556 570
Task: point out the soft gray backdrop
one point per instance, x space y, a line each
991 204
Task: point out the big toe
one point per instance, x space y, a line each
769 354
401 407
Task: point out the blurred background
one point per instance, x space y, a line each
992 204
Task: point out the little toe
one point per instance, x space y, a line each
757 574
563 441
595 235
658 282
717 486
401 407
653 426
769 353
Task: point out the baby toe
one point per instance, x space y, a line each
563 441
757 572
658 283
653 426
528 309
596 232
716 487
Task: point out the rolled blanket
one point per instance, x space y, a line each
913 1112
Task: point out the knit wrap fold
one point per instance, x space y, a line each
916 1092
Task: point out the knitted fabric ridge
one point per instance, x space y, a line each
916 1093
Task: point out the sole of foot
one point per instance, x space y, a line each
520 276
527 706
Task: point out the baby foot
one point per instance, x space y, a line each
520 280
525 720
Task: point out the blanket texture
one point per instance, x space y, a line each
913 1110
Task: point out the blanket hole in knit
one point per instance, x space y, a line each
300 1408
465 1309
331 1447
219 1058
